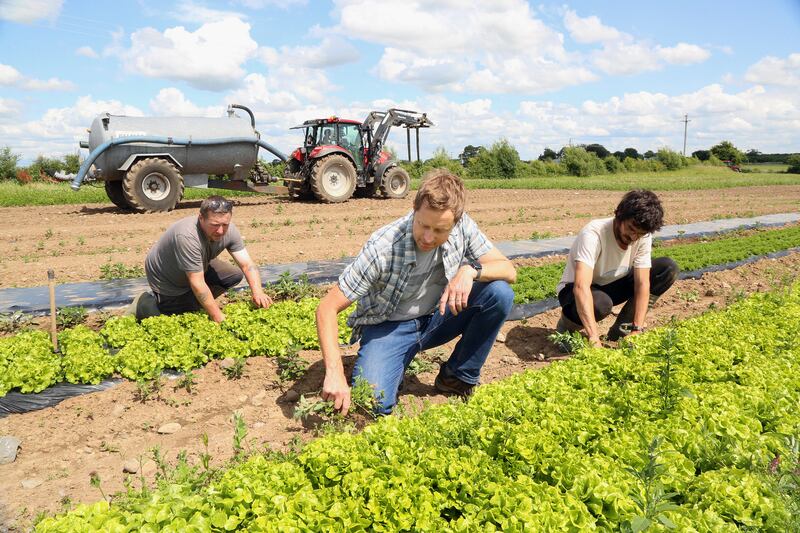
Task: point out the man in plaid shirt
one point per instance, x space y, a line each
420 282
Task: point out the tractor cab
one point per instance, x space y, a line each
330 135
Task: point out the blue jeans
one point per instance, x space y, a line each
388 348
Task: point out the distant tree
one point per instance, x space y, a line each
468 153
671 159
47 166
726 151
632 152
548 155
702 155
72 163
794 164
649 154
8 164
619 155
753 156
507 158
598 149
579 162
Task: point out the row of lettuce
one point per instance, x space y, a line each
693 427
143 350
539 283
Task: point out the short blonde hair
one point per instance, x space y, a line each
440 190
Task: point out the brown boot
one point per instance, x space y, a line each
448 384
565 324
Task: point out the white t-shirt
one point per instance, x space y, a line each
597 247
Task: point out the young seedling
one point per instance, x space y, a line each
236 370
186 382
651 499
67 317
239 434
568 341
94 481
291 366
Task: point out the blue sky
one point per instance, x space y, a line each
619 73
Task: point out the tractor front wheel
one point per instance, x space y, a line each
395 183
333 179
153 185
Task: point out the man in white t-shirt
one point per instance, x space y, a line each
609 263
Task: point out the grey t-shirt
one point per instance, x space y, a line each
185 248
426 283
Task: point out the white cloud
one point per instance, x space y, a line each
27 11
331 51
87 51
440 45
776 71
589 29
683 54
58 130
8 108
281 4
10 76
622 54
209 58
192 12
172 102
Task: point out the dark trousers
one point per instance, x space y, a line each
663 273
219 276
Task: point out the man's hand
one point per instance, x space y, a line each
594 342
335 389
456 294
218 317
262 300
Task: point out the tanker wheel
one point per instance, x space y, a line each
153 185
333 179
395 183
114 193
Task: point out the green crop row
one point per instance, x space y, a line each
181 342
539 283
693 427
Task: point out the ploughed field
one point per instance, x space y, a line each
78 241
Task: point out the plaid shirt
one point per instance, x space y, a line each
379 274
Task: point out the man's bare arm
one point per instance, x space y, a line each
335 386
203 294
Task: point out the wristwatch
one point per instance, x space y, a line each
478 267
634 327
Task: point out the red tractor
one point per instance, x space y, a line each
341 157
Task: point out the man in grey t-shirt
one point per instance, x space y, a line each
183 270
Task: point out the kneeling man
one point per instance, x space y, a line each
420 282
609 263
182 266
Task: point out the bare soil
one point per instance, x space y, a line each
77 240
97 433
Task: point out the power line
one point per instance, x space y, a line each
686 122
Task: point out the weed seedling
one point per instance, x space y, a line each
186 382
236 370
67 317
649 496
147 389
239 434
291 366
94 481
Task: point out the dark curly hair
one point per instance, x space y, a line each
643 207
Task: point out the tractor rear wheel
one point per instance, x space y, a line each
114 193
333 179
153 185
395 183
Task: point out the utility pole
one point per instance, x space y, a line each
685 128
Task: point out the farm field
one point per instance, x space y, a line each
78 241
98 433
